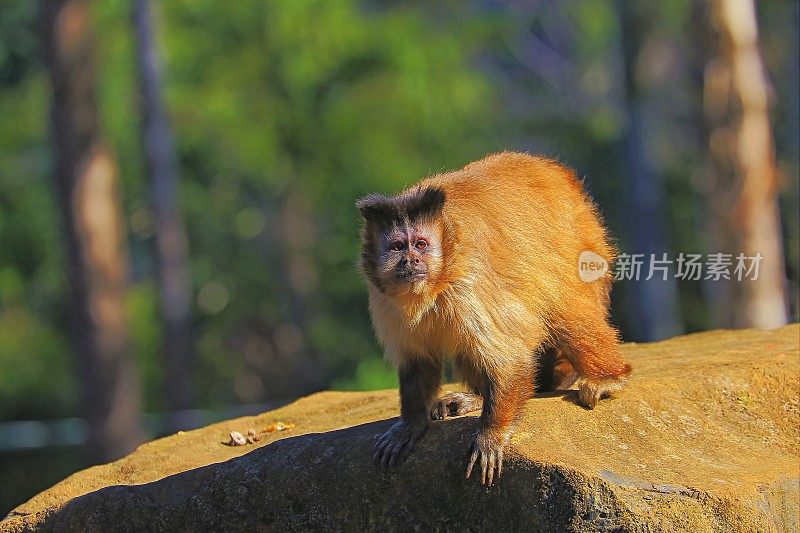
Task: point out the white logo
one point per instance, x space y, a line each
591 266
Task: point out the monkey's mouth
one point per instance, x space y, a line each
410 274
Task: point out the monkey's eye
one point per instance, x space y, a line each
421 244
397 246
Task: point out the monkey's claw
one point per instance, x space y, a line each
455 404
397 442
490 450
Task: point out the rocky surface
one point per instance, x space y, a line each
705 438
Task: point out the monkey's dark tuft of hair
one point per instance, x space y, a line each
377 207
420 204
425 203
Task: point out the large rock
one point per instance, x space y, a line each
705 438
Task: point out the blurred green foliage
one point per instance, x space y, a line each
284 113
270 102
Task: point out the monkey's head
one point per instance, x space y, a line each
401 248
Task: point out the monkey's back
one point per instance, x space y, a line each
522 222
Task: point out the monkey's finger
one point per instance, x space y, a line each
380 450
398 452
472 460
407 447
387 456
484 466
490 472
393 457
377 457
393 453
499 463
379 446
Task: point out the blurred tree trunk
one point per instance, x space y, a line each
743 189
170 235
86 181
654 313
301 280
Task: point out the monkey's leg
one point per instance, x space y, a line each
459 403
591 346
419 383
503 398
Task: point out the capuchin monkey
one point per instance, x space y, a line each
481 265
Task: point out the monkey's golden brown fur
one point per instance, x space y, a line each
481 265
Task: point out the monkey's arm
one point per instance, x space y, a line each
504 393
419 383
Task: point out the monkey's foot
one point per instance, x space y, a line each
489 447
455 404
397 443
592 390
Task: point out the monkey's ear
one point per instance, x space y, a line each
425 203
377 208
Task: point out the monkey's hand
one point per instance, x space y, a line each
397 442
489 447
455 404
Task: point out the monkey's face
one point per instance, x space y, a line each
402 240
407 255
